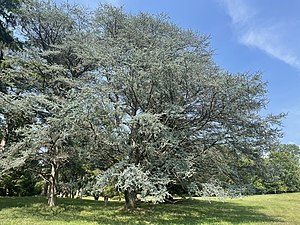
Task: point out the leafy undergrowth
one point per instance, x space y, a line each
265 209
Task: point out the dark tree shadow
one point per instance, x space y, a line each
185 212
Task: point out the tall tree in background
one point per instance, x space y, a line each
39 80
283 169
8 21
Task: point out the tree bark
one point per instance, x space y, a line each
1 54
96 197
2 144
105 198
4 139
79 193
52 193
130 199
45 188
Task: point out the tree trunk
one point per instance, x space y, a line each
130 199
45 188
79 193
52 194
96 197
1 54
2 144
4 139
105 198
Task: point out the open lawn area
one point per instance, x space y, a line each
264 209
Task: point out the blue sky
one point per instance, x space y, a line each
248 36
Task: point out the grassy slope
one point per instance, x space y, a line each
267 209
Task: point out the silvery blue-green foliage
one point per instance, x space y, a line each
40 82
213 188
238 190
91 188
134 94
184 116
130 177
45 23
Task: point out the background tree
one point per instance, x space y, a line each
40 78
8 20
20 182
283 169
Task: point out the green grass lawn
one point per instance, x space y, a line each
264 209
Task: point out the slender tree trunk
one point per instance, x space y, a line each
2 144
4 138
79 193
130 199
1 54
45 188
105 198
52 194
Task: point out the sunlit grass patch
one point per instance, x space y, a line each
263 209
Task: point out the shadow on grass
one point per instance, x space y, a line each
186 212
197 211
9 202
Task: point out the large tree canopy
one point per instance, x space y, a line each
180 110
136 94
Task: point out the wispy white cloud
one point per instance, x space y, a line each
268 36
265 40
239 12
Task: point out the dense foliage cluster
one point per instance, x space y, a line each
132 102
